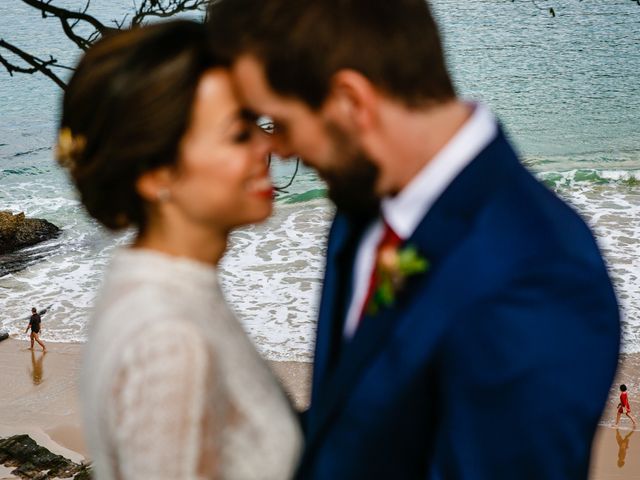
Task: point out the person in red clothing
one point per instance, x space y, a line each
623 406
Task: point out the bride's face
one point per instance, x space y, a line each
221 178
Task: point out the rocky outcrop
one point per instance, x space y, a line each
36 462
17 231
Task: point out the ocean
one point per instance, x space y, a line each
565 89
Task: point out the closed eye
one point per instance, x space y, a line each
243 136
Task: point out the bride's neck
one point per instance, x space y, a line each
205 245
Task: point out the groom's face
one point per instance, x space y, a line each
318 140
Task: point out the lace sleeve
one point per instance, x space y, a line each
157 406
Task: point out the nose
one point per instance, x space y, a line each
272 143
280 147
262 145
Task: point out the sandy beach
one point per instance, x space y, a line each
40 398
39 395
616 452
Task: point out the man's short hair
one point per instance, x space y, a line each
303 43
33 309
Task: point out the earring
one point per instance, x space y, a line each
163 195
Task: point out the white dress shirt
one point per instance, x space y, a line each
404 212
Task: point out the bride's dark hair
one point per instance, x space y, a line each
125 111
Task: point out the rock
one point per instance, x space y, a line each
17 231
36 462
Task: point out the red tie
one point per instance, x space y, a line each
390 239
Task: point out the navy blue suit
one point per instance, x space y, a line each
494 364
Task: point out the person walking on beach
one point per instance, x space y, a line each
624 406
154 139
34 325
458 290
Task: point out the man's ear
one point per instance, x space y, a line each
353 99
154 185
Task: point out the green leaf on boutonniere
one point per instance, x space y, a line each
410 262
394 268
385 291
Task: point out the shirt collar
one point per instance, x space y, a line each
404 211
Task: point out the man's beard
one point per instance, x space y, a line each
352 181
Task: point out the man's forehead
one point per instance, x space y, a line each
254 91
248 75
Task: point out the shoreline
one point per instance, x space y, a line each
40 396
615 453
40 399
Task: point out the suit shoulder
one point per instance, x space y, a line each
525 213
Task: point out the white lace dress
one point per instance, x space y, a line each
172 387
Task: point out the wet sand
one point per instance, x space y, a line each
39 397
39 394
616 451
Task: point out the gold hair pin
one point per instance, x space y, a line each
69 148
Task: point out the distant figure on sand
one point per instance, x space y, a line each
624 406
34 325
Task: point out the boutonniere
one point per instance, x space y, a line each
394 266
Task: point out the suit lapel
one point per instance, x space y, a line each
376 331
448 221
336 289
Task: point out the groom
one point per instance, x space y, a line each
468 328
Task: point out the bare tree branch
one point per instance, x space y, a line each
82 43
63 13
72 20
551 11
166 8
37 64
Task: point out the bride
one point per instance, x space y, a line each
153 138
